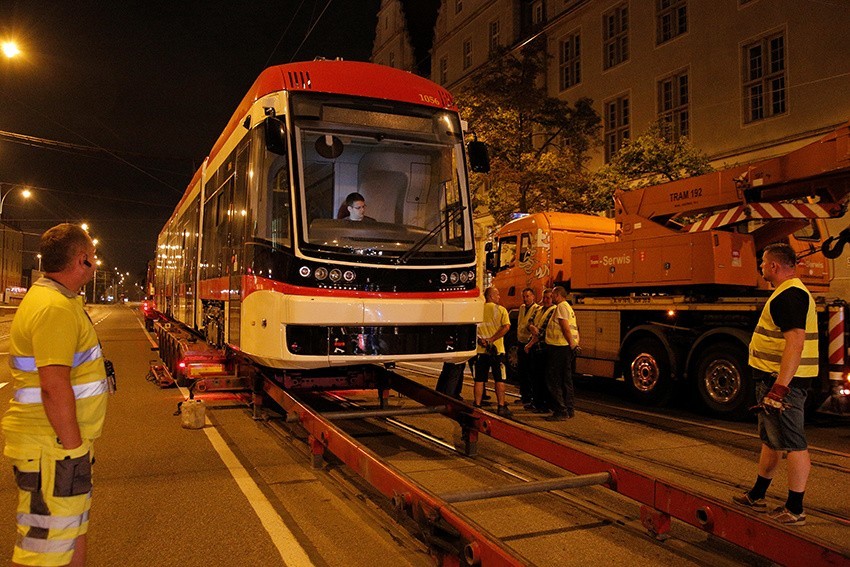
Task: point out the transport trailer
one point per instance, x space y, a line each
452 536
457 540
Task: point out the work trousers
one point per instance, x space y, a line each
559 379
524 374
539 388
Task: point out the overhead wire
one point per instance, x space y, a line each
310 31
95 144
280 39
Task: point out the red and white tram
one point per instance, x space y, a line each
255 259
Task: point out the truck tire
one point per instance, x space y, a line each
647 372
724 380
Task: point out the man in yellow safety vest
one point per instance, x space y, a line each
784 359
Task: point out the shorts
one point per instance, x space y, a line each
54 498
484 362
784 431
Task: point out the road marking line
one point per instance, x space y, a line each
284 540
3 384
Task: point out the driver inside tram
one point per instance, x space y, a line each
355 205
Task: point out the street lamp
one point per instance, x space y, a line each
39 261
94 281
25 194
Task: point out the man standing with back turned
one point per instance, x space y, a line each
59 405
784 358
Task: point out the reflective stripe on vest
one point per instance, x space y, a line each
27 363
52 522
38 545
87 390
768 342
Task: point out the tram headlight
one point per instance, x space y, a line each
304 271
348 276
444 278
335 275
464 277
453 278
471 276
321 273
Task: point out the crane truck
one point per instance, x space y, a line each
668 292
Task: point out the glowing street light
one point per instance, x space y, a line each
10 49
26 193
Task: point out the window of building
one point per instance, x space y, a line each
467 54
615 36
444 70
671 19
570 61
617 121
458 6
764 78
538 12
673 104
493 41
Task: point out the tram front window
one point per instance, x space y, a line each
407 167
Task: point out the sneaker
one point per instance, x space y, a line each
504 411
539 410
557 417
759 505
784 516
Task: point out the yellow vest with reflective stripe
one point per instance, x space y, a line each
51 328
768 343
526 316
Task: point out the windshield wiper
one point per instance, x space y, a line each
453 213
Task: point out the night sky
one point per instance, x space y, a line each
113 105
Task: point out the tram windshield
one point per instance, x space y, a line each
404 162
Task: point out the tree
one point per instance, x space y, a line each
538 144
654 157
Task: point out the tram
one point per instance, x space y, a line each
256 259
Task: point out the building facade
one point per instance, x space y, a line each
11 256
392 46
742 79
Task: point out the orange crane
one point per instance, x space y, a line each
668 293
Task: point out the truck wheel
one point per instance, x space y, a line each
724 380
647 372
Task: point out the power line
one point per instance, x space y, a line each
310 31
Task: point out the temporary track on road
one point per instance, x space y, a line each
457 539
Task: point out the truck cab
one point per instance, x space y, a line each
534 251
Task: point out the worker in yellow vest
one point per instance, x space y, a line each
60 382
784 359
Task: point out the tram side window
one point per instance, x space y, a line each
507 252
281 212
